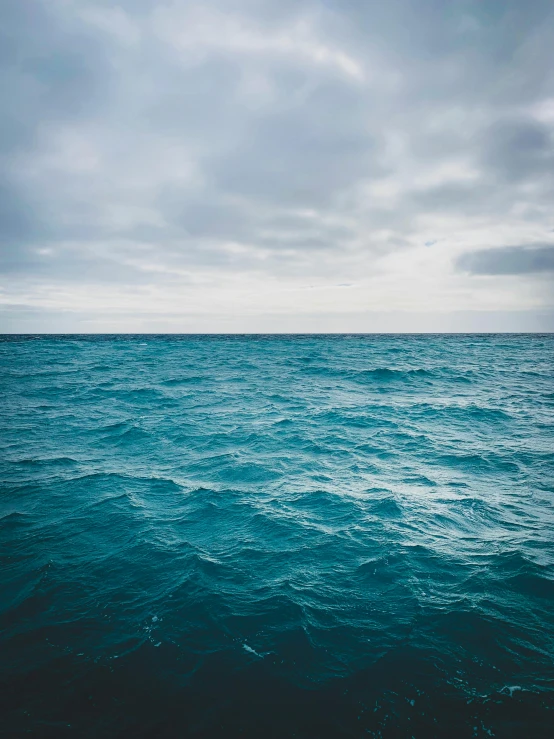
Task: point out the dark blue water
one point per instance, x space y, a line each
277 536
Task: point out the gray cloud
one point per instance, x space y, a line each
509 260
519 149
154 144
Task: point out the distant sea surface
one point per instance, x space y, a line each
277 536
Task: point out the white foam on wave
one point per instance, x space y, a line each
511 689
252 651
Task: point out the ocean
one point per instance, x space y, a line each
277 536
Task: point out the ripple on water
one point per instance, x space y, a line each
277 536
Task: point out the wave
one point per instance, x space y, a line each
196 532
187 380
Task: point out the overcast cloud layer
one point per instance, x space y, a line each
264 165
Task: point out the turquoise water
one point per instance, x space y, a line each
331 536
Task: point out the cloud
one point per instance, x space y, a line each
204 159
509 260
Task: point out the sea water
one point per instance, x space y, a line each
277 536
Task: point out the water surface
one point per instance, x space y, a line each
312 537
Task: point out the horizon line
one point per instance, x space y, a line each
278 333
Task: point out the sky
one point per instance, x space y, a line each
276 166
